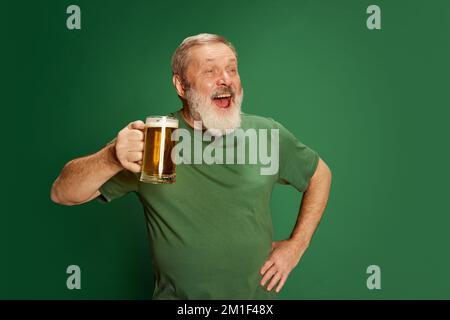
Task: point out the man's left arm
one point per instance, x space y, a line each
286 254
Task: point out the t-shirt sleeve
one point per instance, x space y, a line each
122 183
298 162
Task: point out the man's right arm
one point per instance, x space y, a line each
81 179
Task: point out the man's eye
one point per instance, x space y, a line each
209 71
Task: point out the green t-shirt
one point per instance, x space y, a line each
211 231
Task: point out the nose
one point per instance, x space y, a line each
224 79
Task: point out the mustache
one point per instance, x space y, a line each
225 90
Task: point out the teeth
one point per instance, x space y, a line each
224 96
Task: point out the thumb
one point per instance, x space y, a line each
139 125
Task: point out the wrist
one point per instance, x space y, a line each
111 157
299 243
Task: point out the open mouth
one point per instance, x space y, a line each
222 100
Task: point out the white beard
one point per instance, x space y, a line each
218 121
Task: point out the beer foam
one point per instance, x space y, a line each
167 122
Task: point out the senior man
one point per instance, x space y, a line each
211 234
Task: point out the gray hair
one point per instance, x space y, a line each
181 54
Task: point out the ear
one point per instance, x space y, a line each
178 84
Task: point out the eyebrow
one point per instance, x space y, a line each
212 59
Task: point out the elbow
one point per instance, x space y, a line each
53 197
61 198
56 197
60 201
54 193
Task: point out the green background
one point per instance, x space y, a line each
374 104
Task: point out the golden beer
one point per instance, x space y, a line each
157 164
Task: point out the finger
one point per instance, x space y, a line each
133 167
266 266
135 146
139 125
275 279
134 156
281 283
135 135
268 275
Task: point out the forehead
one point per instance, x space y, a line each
213 52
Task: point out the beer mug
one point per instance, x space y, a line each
157 164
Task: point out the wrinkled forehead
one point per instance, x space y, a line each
217 53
